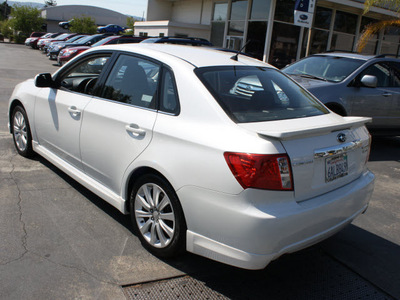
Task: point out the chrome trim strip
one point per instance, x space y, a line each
325 152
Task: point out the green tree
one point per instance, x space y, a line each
25 19
130 22
5 28
83 24
374 28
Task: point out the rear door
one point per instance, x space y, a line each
118 125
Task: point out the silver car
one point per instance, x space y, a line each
354 84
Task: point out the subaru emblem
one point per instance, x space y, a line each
341 137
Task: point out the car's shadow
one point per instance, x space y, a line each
385 149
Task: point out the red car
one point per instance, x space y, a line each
46 36
68 53
33 36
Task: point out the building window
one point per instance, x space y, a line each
391 41
284 11
343 37
260 9
238 10
256 33
161 34
284 44
218 23
372 44
323 17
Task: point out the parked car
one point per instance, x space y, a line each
112 28
66 24
44 42
33 36
54 48
354 84
69 53
34 43
191 41
156 131
62 38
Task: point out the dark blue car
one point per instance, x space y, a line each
110 28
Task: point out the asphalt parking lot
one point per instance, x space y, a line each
60 241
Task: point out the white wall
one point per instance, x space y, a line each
158 10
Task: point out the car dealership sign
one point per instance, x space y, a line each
303 12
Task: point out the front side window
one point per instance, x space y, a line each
133 81
82 77
382 73
256 94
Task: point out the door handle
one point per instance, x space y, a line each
74 111
386 94
135 129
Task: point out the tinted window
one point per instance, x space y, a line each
330 68
82 77
169 96
381 71
133 81
254 94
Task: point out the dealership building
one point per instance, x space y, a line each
266 27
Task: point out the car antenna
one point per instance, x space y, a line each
236 56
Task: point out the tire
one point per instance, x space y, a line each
21 132
157 216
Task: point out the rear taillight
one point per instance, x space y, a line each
261 171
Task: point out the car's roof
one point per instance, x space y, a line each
197 56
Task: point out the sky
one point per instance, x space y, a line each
128 7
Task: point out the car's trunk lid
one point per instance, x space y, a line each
326 152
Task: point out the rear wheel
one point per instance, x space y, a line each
21 132
157 216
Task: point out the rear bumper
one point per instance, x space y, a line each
252 229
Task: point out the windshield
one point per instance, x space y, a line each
255 94
84 40
62 36
328 68
101 42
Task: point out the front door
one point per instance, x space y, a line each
59 112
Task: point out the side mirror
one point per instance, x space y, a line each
369 81
44 80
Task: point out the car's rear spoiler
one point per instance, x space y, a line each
301 132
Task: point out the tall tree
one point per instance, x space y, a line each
26 19
374 28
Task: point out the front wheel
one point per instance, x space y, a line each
157 216
21 132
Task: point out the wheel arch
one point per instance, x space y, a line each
134 176
12 106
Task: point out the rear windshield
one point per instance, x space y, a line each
257 94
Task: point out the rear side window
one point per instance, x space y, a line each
255 94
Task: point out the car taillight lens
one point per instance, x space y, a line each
261 171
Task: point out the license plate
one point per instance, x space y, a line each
336 167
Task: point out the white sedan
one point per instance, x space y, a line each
162 133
